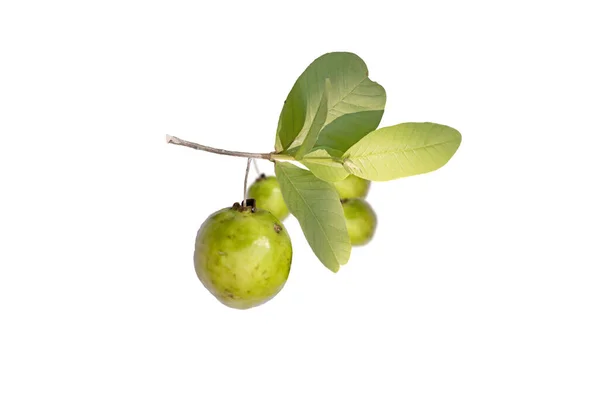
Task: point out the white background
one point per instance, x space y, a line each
483 277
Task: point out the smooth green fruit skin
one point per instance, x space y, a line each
243 258
267 194
361 221
352 187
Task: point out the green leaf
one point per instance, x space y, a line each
316 125
402 150
352 93
326 164
316 205
346 130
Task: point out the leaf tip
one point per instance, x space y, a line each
334 269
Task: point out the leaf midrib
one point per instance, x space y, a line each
307 125
350 92
366 154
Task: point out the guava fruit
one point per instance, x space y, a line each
267 194
243 255
361 220
352 187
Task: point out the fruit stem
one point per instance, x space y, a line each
246 181
256 166
269 155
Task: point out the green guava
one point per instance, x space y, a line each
352 187
243 256
267 193
361 220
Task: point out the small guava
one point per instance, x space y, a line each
352 187
243 255
361 220
267 194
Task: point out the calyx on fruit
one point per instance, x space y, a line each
243 255
361 220
267 193
352 187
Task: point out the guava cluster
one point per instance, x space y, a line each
243 253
